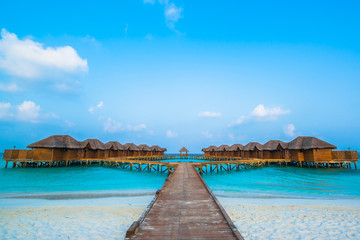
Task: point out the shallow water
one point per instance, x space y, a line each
266 182
287 182
79 178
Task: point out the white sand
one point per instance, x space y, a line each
109 218
308 219
73 220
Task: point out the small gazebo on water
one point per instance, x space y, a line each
183 151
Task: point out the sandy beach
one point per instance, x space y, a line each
109 218
294 218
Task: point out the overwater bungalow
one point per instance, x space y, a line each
93 148
236 150
114 149
55 148
144 150
310 149
212 150
131 150
156 150
183 151
223 150
276 149
253 150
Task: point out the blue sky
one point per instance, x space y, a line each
180 73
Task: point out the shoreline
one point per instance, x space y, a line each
110 217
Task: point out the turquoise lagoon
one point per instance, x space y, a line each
267 182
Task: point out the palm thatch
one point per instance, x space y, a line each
252 145
273 145
163 149
305 143
131 147
93 144
183 149
57 141
212 148
223 148
144 147
156 148
115 145
236 147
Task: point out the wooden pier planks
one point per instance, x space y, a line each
186 209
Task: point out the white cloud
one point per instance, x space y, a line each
98 106
209 114
289 130
69 124
172 12
5 110
239 121
11 87
268 113
171 134
136 128
28 111
29 59
207 134
261 113
112 126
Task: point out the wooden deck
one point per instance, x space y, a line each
184 208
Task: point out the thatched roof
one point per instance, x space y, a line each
156 148
309 143
115 145
223 148
236 147
212 148
183 149
57 141
131 147
144 147
93 144
163 149
251 146
273 145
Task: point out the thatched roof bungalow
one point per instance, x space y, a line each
310 149
114 149
145 150
93 148
253 150
56 147
237 150
157 151
275 149
183 151
210 151
131 150
222 150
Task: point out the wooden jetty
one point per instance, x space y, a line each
231 165
184 208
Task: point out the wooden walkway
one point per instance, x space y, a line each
185 208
